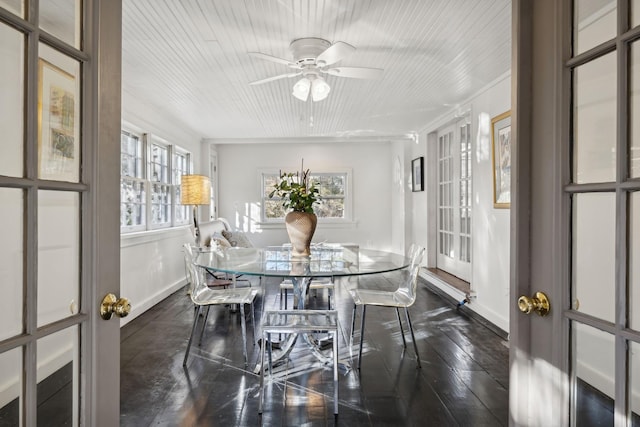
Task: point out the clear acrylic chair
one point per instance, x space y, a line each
204 296
212 279
298 322
317 283
403 297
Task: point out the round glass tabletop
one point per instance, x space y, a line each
325 261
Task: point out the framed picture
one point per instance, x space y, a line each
417 174
501 147
59 124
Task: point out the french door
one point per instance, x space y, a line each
59 211
454 200
576 213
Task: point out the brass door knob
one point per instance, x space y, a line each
111 305
538 303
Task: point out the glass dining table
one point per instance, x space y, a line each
326 261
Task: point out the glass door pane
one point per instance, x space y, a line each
57 391
594 23
593 375
12 101
593 269
61 18
634 111
594 127
634 383
445 195
59 116
58 255
634 261
13 6
11 262
11 387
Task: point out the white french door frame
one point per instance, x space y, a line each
451 264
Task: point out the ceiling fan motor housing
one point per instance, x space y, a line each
306 50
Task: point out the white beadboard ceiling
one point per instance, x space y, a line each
187 61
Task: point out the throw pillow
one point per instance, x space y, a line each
237 239
220 240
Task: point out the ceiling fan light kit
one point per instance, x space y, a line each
313 84
319 89
301 89
312 56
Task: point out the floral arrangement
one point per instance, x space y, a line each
296 191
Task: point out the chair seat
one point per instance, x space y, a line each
224 296
380 298
314 284
215 283
300 320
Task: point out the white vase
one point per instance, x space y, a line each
300 227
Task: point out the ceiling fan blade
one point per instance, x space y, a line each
270 79
274 59
334 53
356 72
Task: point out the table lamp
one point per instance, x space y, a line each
195 190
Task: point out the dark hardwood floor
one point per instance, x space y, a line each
463 380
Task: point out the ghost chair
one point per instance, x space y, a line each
204 296
403 297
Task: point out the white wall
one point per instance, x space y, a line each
239 168
151 263
490 226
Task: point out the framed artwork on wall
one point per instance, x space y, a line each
501 149
59 124
417 174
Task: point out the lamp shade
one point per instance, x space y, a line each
195 190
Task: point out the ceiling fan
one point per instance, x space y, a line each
312 57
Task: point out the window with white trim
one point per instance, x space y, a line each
334 204
180 167
133 198
160 186
150 183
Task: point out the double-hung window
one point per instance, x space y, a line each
333 188
180 167
160 185
133 197
150 183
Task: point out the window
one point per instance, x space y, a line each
150 183
160 189
132 183
333 189
180 167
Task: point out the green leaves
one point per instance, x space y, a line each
296 192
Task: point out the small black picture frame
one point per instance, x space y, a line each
417 174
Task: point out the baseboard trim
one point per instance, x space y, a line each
451 299
141 307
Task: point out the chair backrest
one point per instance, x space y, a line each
408 287
413 249
194 274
